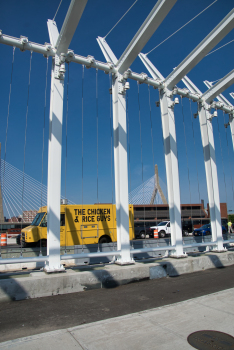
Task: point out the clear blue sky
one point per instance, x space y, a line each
29 18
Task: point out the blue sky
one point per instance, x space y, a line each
30 19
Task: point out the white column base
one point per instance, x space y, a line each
216 250
53 269
122 263
177 256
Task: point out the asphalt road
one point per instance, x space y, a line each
34 316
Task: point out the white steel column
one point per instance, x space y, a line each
211 174
54 175
121 168
172 170
61 42
171 160
207 137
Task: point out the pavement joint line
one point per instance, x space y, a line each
71 334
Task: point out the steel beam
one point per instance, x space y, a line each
152 22
171 160
219 97
70 24
219 87
106 50
53 32
210 41
207 137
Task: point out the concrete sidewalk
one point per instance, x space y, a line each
161 328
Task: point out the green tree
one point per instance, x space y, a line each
231 218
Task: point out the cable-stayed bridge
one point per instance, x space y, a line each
22 195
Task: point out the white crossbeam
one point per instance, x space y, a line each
106 50
210 41
219 87
152 22
70 23
219 97
53 32
150 67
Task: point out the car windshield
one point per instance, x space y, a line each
163 223
37 219
205 226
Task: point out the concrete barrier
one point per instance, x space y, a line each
39 284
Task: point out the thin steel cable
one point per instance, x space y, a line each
228 156
194 144
57 9
151 125
121 19
66 164
97 147
111 133
210 158
219 48
25 139
43 141
152 139
221 149
111 144
82 142
181 27
129 149
186 149
142 167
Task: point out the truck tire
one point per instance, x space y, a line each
105 239
24 244
185 233
142 234
42 243
162 234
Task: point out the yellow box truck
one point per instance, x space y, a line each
79 224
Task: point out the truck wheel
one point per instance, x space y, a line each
162 234
42 243
105 239
142 234
24 244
